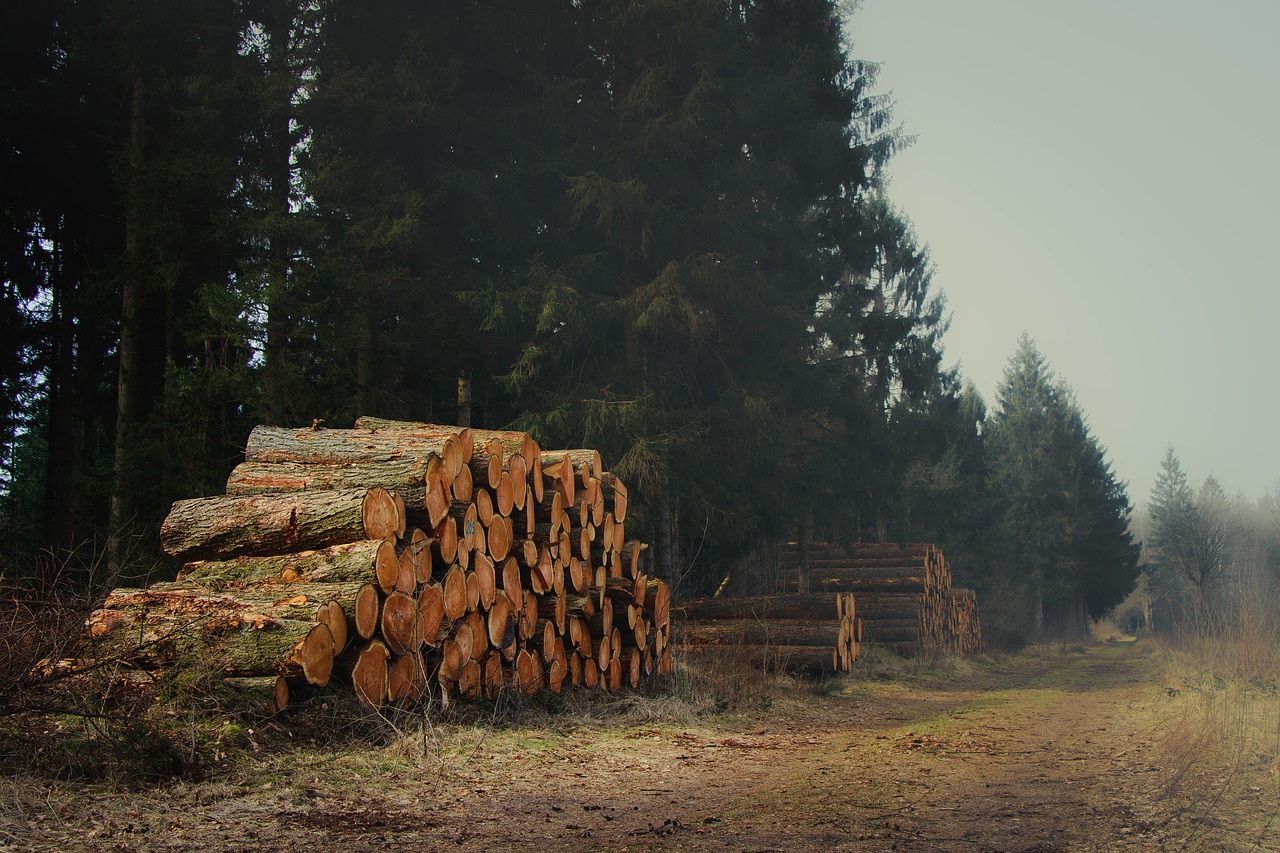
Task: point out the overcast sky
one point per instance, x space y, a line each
1104 175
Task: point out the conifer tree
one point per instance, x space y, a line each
723 173
1193 538
1061 516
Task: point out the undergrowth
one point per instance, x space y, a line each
1220 731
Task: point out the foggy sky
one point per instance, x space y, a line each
1105 176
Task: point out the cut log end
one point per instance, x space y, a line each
382 515
315 653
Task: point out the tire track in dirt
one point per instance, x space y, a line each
1045 756
1040 765
1054 761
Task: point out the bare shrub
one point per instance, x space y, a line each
1105 630
64 716
1221 738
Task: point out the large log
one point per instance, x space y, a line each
514 443
407 678
219 528
822 583
879 634
268 599
764 632
353 446
807 606
399 624
585 462
376 424
158 626
863 550
869 566
355 561
369 675
406 475
614 495
657 602
801 659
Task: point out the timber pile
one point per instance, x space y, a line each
394 556
905 596
814 633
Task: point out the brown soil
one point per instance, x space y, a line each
1061 752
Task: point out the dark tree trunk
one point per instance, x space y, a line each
365 366
275 356
61 427
802 544
129 378
464 398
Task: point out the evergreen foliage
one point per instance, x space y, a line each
657 229
1193 540
1060 518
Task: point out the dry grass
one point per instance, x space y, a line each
1106 630
1220 735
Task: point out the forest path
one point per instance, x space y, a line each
1059 752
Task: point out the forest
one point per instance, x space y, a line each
660 229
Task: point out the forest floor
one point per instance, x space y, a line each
1064 749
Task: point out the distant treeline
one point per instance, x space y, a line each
1211 561
657 229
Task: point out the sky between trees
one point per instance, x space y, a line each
1101 175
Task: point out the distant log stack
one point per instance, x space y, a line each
815 633
396 556
905 598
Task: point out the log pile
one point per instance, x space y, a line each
815 633
905 598
403 559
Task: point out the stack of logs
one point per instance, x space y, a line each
904 592
813 633
396 555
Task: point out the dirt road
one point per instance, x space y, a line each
1058 753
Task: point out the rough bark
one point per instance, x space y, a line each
816 605
160 626
354 561
354 446
220 528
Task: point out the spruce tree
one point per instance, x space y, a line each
1172 510
722 175
1061 516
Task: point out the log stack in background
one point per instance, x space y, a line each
813 633
905 598
396 556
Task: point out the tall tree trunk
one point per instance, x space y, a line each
802 543
364 366
664 539
128 383
275 356
61 428
464 398
1037 605
631 349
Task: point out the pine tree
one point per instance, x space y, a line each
878 385
122 160
1194 536
1172 509
1062 517
721 175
